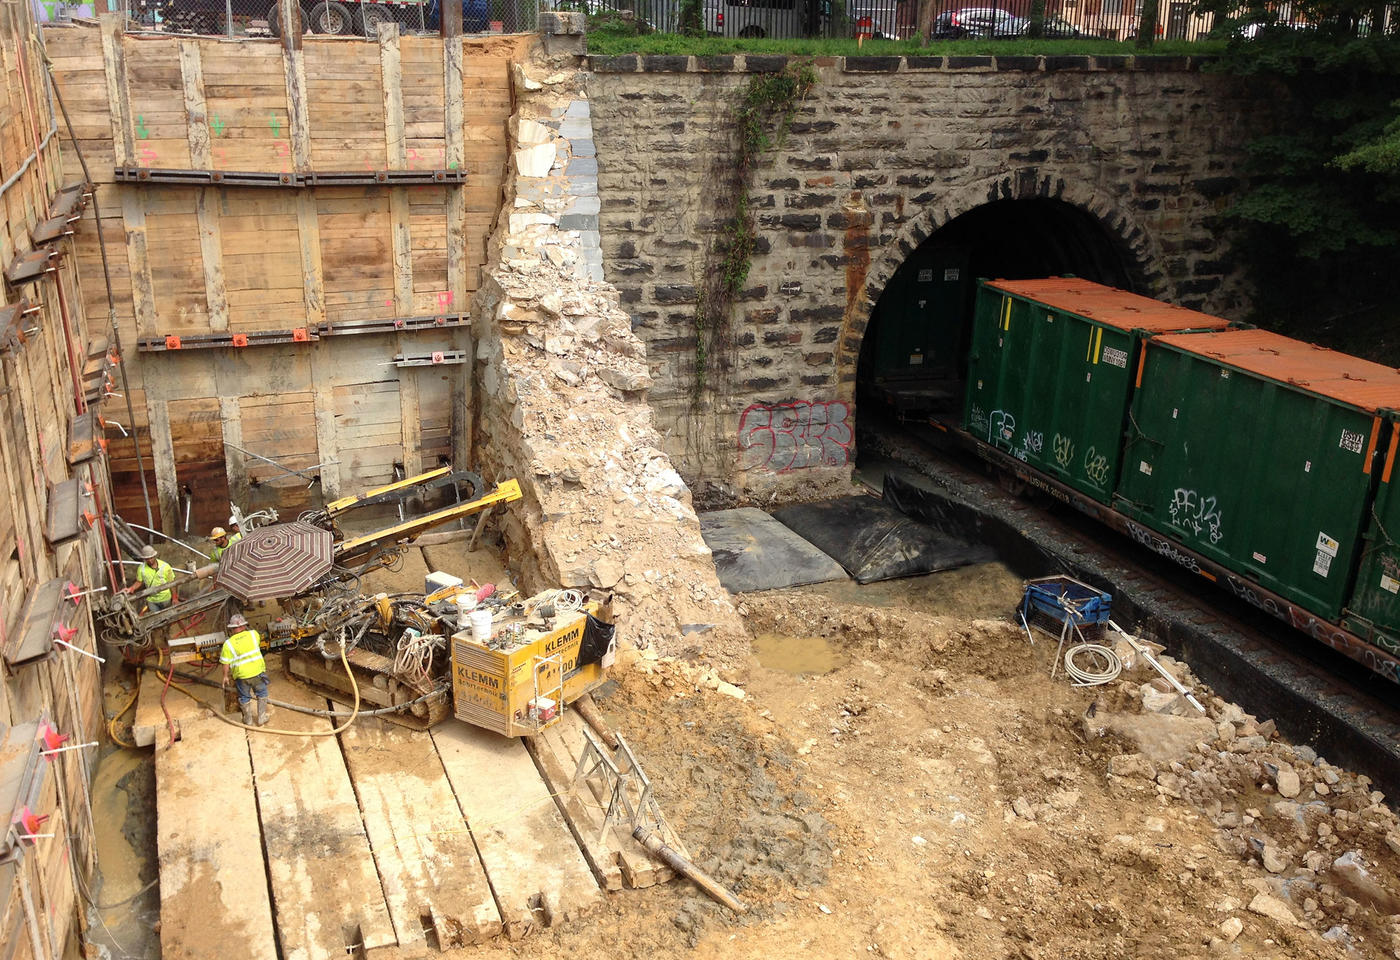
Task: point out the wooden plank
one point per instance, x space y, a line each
427 862
118 99
143 301
598 848
162 449
327 437
389 68
298 112
309 238
196 107
212 255
212 891
327 895
529 855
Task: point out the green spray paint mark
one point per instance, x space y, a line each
141 130
216 126
275 124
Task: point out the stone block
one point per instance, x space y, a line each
1018 63
1053 64
969 63
583 205
681 293
781 338
535 161
716 64
665 64
923 63
582 166
871 64
576 129
582 186
578 221
765 63
583 148
578 109
627 63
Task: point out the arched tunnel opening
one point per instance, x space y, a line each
913 357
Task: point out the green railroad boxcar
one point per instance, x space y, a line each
1374 610
1050 372
1256 451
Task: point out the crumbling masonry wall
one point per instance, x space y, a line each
563 387
883 152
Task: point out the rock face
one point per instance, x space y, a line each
872 164
562 388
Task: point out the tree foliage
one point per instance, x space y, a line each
1319 219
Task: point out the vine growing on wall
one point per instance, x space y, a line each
761 121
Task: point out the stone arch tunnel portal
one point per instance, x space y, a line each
913 354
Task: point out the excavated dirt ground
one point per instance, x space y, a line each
925 790
937 795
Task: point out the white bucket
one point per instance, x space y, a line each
481 625
466 603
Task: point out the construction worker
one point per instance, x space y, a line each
222 541
235 528
241 655
152 573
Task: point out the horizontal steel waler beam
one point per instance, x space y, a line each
253 178
214 341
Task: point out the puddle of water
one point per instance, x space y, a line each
800 655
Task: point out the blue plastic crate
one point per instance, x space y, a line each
1065 598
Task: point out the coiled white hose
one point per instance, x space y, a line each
1095 676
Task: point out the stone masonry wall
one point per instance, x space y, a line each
883 151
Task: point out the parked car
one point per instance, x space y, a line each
1057 28
764 18
983 22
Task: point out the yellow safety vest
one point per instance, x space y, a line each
219 551
163 573
242 654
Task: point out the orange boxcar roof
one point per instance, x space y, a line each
1109 306
1339 376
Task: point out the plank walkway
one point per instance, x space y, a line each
380 841
213 896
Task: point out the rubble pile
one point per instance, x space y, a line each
1319 833
564 409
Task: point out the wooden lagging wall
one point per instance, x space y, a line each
41 911
200 261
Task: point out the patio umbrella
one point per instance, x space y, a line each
275 562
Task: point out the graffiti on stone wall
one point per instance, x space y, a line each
794 436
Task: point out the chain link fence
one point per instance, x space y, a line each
353 18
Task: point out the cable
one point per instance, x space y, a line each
1112 667
354 712
312 711
112 723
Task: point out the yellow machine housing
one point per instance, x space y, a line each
520 690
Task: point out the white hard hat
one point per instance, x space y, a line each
217 532
237 620
233 521
147 552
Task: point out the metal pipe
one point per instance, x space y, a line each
661 851
170 538
258 456
14 179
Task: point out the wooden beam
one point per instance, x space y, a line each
395 142
196 108
454 131
309 236
143 302
210 852
207 202
289 13
326 893
298 109
323 400
162 449
235 467
118 95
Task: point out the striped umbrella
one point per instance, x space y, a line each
275 562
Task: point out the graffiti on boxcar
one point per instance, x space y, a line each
794 436
1163 546
1343 642
1247 592
1063 447
1096 466
1001 428
1032 442
977 419
1191 511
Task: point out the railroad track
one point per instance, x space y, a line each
1316 695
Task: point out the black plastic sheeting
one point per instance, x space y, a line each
875 541
753 551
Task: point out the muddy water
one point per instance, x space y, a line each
981 591
124 810
801 655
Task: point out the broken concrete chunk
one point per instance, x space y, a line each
1273 908
1286 779
1231 928
1131 765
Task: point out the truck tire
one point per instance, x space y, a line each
193 21
274 20
369 17
331 17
